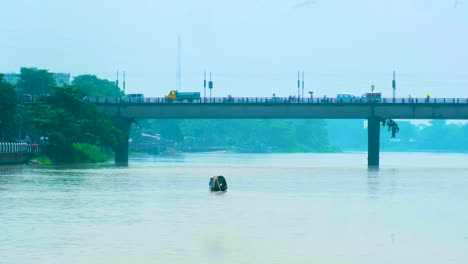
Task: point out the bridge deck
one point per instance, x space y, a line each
260 108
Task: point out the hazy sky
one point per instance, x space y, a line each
253 47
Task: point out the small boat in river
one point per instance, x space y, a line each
218 183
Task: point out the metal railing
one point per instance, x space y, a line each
11 147
277 100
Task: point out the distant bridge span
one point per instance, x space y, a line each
286 110
283 108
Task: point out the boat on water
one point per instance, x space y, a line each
218 183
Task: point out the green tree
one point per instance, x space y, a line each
8 111
68 122
93 86
348 134
241 135
312 135
35 81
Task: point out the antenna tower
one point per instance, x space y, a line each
179 67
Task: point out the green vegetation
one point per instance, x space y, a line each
72 129
68 122
392 126
239 135
36 81
41 159
8 111
86 152
93 86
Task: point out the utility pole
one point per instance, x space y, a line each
394 85
117 86
302 84
210 85
204 86
179 67
298 83
124 82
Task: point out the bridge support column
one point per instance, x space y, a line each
373 143
121 152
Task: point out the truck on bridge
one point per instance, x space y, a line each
175 96
372 97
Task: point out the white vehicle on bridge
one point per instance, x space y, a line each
133 98
372 97
347 98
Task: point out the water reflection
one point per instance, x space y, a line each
373 182
381 181
12 169
8 173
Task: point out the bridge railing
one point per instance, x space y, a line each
13 147
277 100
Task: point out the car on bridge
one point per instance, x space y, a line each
133 98
372 97
346 98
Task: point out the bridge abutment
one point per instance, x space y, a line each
373 141
121 152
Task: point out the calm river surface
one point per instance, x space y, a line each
280 208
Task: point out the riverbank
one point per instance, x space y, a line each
15 158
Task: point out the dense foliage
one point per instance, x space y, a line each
36 81
9 118
67 121
392 126
240 135
72 129
93 86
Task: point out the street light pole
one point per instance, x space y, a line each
117 86
302 84
204 86
298 83
210 85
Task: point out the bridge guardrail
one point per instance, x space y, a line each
12 147
279 100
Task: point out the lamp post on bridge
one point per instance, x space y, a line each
210 85
204 86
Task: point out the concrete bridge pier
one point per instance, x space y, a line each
373 141
121 152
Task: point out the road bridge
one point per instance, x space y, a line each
124 113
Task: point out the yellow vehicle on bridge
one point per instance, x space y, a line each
176 96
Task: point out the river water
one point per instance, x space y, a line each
280 208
